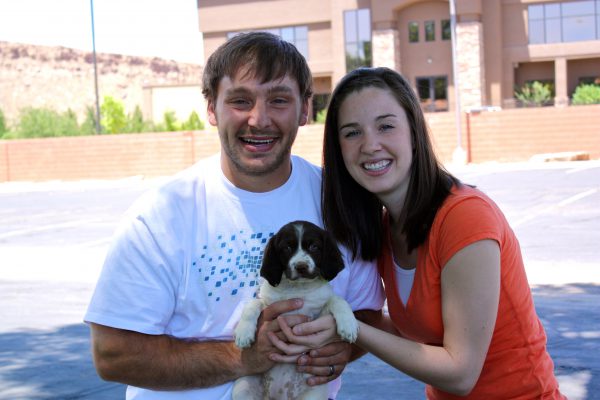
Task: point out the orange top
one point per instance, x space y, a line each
517 365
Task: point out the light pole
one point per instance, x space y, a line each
95 70
459 155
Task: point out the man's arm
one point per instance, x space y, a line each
162 362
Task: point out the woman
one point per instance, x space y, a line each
461 315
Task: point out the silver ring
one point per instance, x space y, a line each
331 370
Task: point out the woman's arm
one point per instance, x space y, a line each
470 296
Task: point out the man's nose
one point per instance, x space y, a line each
259 116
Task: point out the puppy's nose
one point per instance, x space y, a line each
302 268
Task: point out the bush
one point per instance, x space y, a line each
193 123
171 124
112 115
535 94
137 124
321 115
586 94
3 126
88 127
170 121
40 122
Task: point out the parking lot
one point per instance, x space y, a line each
53 237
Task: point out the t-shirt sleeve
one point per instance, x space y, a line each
363 288
138 283
465 221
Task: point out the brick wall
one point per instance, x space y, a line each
508 135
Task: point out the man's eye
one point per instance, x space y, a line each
239 102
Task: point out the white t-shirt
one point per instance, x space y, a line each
187 257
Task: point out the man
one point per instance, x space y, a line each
187 257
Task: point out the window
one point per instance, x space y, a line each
429 31
413 32
564 22
296 35
357 35
433 93
446 30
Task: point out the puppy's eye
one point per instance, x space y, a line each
287 249
313 247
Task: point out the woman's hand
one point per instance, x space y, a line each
308 335
314 346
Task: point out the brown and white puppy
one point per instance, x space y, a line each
298 262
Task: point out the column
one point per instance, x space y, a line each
561 98
386 48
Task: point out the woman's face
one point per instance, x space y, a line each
376 144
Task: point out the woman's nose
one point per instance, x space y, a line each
370 143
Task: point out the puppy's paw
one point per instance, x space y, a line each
347 327
244 334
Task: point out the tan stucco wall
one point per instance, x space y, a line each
500 25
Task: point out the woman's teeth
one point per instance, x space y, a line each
376 165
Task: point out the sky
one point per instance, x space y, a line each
155 28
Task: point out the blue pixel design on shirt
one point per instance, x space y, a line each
231 264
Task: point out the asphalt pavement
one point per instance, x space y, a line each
54 235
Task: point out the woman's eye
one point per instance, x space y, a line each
386 127
348 134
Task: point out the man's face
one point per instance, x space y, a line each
257 125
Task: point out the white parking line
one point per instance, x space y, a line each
582 168
562 203
44 228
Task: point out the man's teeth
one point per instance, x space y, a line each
377 165
258 141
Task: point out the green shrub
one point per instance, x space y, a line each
535 94
88 127
40 122
112 115
170 121
193 123
586 94
3 126
137 124
321 115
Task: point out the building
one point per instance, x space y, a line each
500 45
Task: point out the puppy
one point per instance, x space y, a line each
298 262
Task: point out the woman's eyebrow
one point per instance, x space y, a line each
384 116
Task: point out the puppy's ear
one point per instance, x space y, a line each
332 261
271 268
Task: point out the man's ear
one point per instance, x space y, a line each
212 116
304 112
